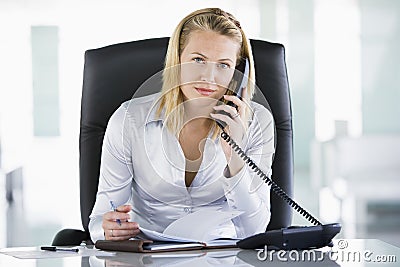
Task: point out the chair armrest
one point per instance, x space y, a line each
71 237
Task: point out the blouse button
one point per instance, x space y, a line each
187 210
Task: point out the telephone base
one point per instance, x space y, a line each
293 238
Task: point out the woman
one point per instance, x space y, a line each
162 156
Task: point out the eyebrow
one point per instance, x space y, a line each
222 59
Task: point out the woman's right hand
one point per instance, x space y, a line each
115 231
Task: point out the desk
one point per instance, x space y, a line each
346 252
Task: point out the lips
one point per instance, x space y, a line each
204 91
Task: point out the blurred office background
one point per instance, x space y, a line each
344 73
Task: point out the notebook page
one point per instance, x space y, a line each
198 225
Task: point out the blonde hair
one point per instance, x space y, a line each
208 19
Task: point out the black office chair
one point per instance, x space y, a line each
111 76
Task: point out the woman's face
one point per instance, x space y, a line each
207 65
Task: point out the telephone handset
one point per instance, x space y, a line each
236 86
293 237
240 78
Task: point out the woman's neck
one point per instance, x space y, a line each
198 111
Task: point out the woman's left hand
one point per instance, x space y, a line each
235 128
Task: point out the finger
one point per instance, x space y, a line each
114 215
221 117
228 109
112 230
123 226
240 103
234 99
124 233
124 208
120 235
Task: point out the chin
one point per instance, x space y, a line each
202 101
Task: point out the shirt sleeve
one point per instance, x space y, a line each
246 191
116 171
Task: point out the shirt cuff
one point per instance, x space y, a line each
96 229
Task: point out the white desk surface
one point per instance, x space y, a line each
346 252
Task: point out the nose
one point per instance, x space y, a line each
208 73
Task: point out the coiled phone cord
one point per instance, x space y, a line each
275 188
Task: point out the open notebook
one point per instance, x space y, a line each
189 232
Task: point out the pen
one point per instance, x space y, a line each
115 209
52 248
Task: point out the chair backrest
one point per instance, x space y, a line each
113 73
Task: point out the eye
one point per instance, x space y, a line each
224 65
198 60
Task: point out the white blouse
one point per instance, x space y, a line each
142 164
